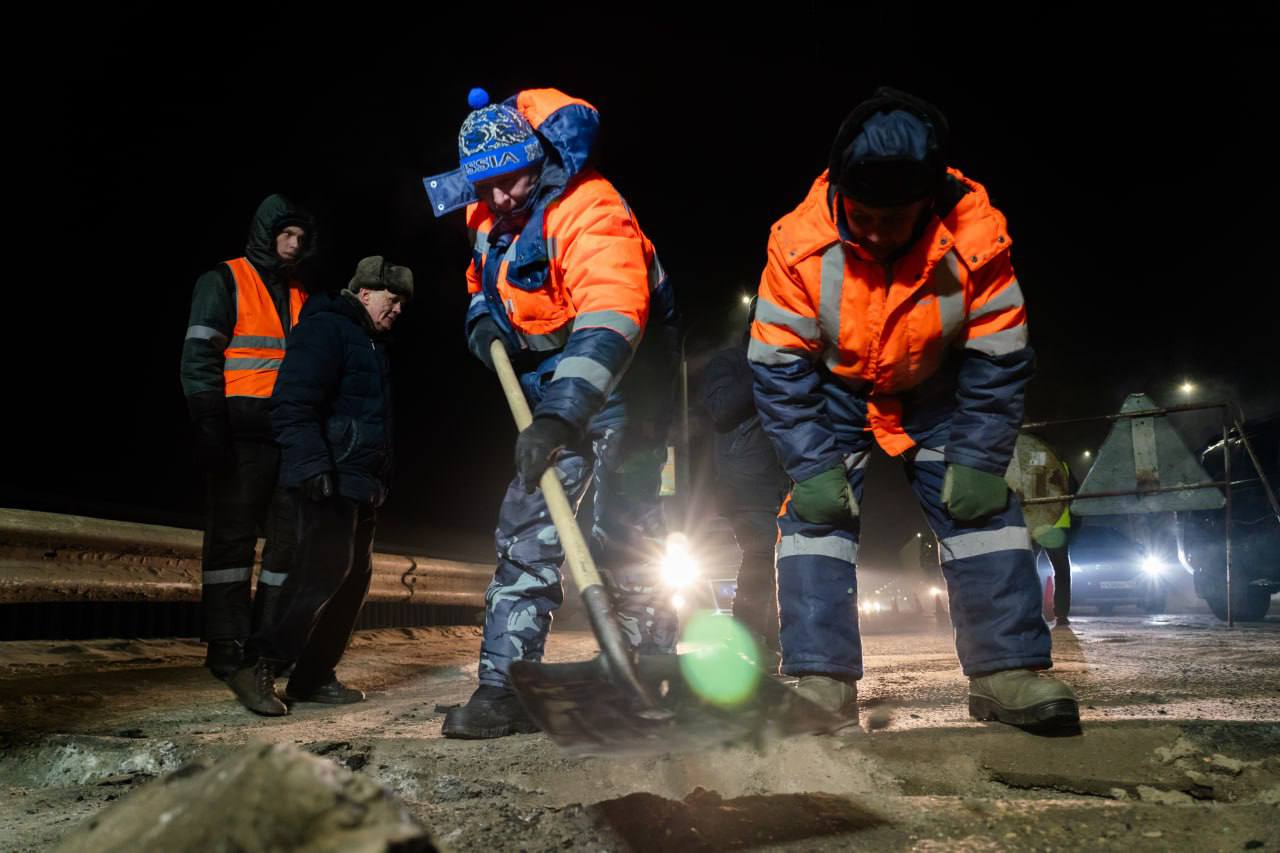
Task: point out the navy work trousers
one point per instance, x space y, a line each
987 565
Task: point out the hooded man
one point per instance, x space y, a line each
889 309
241 313
331 412
563 276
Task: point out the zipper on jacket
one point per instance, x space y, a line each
884 313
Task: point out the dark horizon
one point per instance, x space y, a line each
1129 159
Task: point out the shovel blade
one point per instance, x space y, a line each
586 713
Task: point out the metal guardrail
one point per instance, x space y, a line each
48 557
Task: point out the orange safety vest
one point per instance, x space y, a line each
256 348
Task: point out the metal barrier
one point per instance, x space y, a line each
1232 419
48 557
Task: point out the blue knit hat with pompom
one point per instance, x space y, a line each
495 139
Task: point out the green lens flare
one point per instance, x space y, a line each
722 665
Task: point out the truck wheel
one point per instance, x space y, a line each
1250 603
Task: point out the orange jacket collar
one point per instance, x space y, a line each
974 228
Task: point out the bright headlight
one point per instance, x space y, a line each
1152 565
679 568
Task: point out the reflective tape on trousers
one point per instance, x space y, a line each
272 578
836 547
984 542
217 576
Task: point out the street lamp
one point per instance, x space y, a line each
1187 387
746 300
1088 454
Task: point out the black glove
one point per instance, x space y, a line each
319 487
213 443
482 333
535 446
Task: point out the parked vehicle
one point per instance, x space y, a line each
1255 531
1110 570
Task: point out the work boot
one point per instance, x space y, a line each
333 693
490 712
1023 698
224 657
831 694
255 687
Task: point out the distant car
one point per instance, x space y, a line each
1110 570
1255 531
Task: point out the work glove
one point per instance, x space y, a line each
213 443
970 494
535 446
483 332
319 487
825 498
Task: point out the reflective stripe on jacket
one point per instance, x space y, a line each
933 343
257 344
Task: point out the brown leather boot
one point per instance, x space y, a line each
255 687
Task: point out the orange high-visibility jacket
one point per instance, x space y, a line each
600 264
589 274
256 348
930 348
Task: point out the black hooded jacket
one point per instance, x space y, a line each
213 318
331 409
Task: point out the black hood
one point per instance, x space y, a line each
274 215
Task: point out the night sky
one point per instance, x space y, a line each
1130 158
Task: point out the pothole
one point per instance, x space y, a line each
705 821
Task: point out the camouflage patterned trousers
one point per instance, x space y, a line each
626 536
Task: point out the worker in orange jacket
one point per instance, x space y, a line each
889 310
242 311
563 276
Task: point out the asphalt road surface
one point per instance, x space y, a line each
1179 748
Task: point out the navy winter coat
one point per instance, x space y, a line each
331 409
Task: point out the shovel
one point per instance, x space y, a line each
620 702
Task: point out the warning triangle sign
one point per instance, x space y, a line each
1143 454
